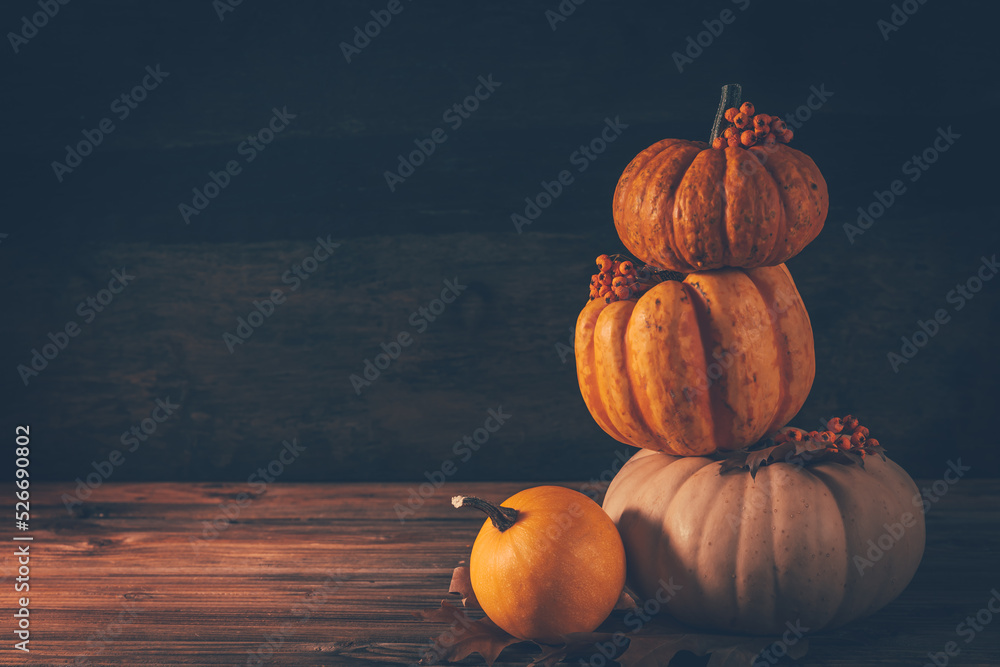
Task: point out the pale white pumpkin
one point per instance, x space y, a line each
821 545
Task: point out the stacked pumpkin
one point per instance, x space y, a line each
700 353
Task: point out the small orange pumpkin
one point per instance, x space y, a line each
710 363
686 206
547 562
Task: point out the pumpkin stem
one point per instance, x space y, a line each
732 95
502 517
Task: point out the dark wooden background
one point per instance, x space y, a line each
497 345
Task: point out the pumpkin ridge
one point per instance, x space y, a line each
722 417
793 483
640 161
747 377
788 339
664 241
771 557
639 399
642 399
585 368
781 344
661 354
612 368
842 493
630 191
790 174
753 216
731 162
784 224
653 194
697 208
818 196
738 548
736 542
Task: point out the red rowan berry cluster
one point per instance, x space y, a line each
747 129
619 278
842 433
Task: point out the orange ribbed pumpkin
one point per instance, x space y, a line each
711 363
683 206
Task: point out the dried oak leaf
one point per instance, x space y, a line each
577 643
804 452
464 637
627 601
723 650
461 585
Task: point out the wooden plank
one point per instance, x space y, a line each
333 577
495 346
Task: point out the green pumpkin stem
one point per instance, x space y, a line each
732 95
502 517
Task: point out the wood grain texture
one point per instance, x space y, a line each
332 577
496 345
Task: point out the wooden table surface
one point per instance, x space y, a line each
156 574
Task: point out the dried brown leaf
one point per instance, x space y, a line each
464 637
577 643
723 650
803 452
627 601
461 585
656 645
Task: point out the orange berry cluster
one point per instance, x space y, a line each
747 129
619 279
842 433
